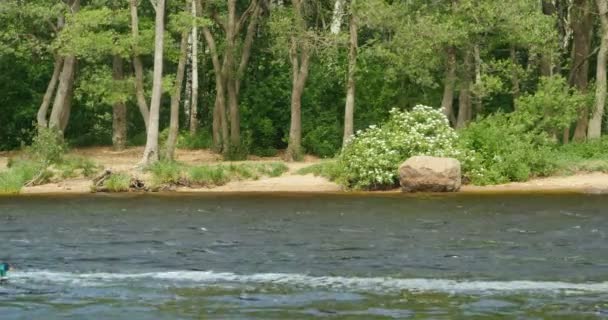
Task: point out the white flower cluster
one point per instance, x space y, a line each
371 159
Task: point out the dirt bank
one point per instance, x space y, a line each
125 161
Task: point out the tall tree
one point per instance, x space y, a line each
151 152
119 110
299 54
349 109
595 124
63 99
138 65
194 90
582 26
176 97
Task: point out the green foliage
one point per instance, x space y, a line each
217 175
13 179
501 151
74 166
552 108
327 169
47 147
201 140
208 175
165 172
579 157
118 182
371 159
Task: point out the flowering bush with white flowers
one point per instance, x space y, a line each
370 161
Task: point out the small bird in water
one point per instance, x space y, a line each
4 268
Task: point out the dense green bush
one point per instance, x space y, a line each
118 182
47 146
371 159
18 174
502 151
165 172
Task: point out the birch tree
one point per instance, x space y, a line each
151 151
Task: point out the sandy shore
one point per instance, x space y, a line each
588 183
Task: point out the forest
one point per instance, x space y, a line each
513 89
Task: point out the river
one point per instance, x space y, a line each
305 256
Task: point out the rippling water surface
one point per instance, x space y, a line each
305 256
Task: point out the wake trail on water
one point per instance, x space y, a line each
360 284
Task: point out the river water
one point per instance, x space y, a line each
305 256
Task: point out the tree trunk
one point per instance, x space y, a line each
138 67
220 124
175 99
478 96
43 111
194 98
67 109
514 74
300 65
582 28
119 110
229 75
61 98
595 125
349 108
336 21
447 104
464 98
151 152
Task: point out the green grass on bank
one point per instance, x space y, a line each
175 173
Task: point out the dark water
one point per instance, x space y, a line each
300 257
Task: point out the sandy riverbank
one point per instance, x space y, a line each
124 161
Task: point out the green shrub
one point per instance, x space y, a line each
165 172
244 171
323 141
501 151
73 166
327 169
118 182
273 169
208 175
201 140
20 173
47 146
371 159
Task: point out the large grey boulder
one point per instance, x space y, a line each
430 174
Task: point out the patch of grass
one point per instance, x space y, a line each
273 169
20 173
118 182
243 171
591 156
208 175
166 172
327 169
74 166
217 175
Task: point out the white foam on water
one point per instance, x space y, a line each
372 284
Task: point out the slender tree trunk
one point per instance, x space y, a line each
194 99
514 74
43 111
300 66
229 75
63 90
67 109
175 99
595 125
582 27
138 66
220 125
336 21
447 103
119 110
349 108
478 97
151 152
464 98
